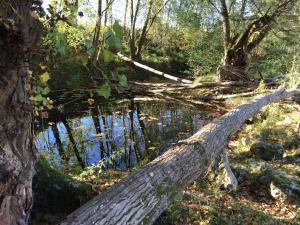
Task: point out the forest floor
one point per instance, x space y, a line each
207 202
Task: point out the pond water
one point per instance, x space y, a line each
84 131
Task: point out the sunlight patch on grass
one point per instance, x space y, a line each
212 77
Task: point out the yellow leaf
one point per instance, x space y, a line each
43 67
44 77
30 73
50 107
91 101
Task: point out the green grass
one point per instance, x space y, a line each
212 77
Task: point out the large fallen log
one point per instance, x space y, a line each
144 195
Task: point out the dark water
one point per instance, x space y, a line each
116 134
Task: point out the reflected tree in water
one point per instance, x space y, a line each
58 142
119 136
99 133
73 142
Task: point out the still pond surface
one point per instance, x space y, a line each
117 134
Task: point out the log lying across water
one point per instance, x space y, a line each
144 195
168 76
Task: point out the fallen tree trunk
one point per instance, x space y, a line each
144 195
168 76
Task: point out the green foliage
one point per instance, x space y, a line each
105 90
108 56
59 42
293 77
40 95
274 56
113 42
89 47
205 52
122 80
73 52
189 50
118 30
57 194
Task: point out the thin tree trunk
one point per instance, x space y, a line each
106 14
144 195
142 38
125 16
133 17
146 27
226 25
97 34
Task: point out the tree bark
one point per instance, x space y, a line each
125 16
97 35
142 38
144 195
134 10
226 24
18 34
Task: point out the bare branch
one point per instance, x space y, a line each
107 6
214 5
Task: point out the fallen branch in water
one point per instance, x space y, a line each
144 195
175 100
224 97
167 87
168 76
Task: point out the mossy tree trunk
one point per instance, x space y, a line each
144 195
18 35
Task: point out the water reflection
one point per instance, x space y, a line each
116 136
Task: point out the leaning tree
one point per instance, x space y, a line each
19 34
243 30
